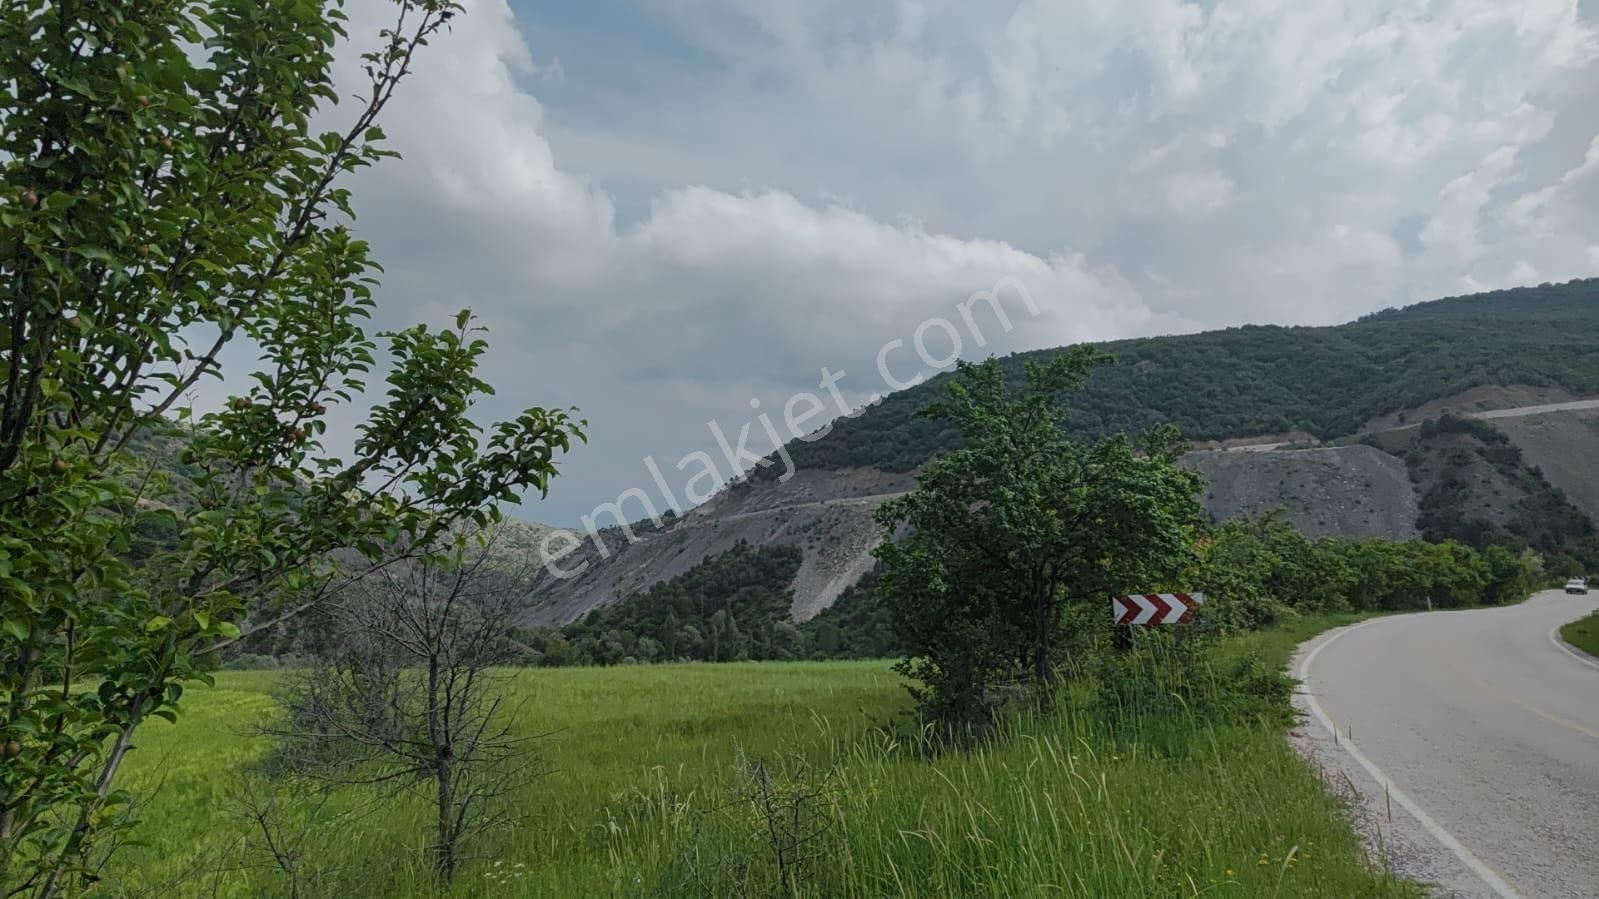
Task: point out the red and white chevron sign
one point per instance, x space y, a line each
1155 608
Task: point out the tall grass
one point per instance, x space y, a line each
1583 634
791 779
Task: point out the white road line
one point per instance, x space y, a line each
1554 637
1487 874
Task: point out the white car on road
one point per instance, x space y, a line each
1577 586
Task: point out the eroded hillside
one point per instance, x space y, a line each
828 515
1351 491
1276 391
1354 491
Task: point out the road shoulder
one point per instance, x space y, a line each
1396 841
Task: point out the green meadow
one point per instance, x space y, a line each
655 776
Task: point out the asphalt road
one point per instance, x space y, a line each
1475 744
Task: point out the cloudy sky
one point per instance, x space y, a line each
666 209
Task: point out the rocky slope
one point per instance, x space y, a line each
1354 491
1565 448
1262 399
827 514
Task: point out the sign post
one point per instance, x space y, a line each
1155 608
1144 609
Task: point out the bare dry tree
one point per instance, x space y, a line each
410 691
284 831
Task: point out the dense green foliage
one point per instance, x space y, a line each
166 192
1261 380
1007 536
732 607
1447 458
856 626
1258 574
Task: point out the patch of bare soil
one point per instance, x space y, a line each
838 551
1565 446
804 487
1287 438
1478 399
827 513
1352 491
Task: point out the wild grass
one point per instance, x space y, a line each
781 779
1583 634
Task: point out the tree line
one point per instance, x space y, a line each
1477 488
1255 380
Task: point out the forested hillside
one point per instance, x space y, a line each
1476 487
732 607
1264 380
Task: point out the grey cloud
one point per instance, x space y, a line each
821 178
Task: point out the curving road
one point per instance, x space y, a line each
1472 738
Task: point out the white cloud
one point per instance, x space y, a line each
1527 207
661 238
1590 164
710 299
1453 228
1192 192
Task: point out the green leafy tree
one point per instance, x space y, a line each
165 194
1001 534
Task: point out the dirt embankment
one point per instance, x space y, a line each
1355 491
1478 399
827 514
804 487
1565 447
1286 439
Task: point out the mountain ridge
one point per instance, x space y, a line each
1249 380
1533 343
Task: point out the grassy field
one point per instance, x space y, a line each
652 771
1583 634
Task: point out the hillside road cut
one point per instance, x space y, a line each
1472 739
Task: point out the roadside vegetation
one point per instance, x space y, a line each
1583 634
657 778
1259 573
1037 751
1020 745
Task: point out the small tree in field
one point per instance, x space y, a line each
1002 533
163 195
406 692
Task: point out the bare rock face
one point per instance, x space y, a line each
1353 491
1350 491
1565 447
827 514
